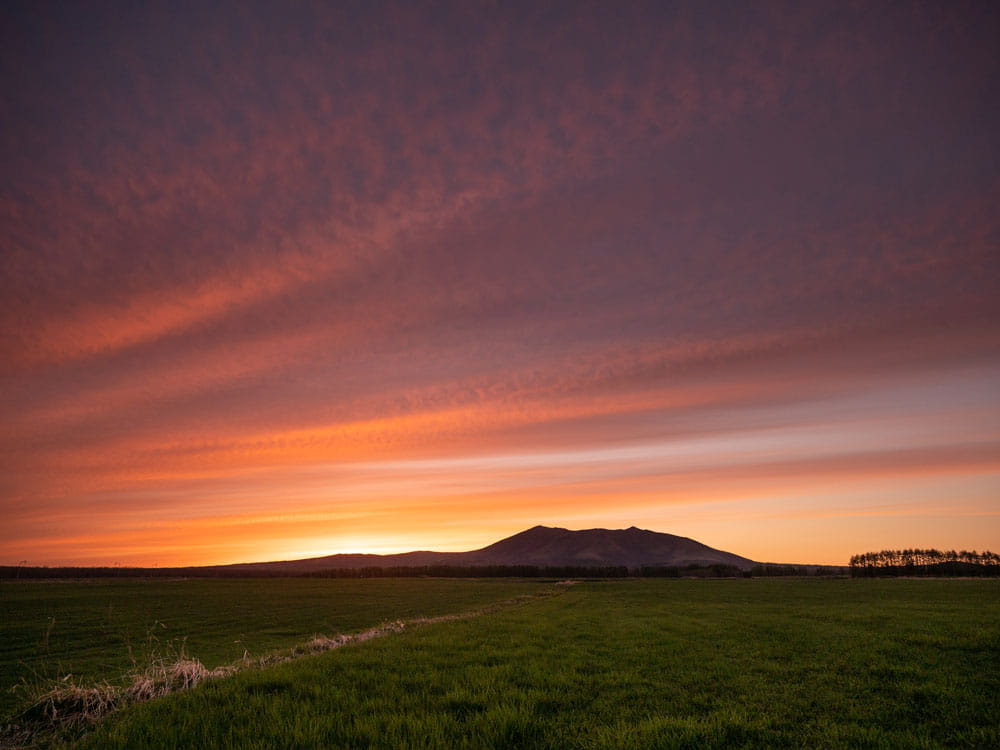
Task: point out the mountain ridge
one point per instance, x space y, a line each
542 546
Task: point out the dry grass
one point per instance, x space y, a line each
69 703
322 643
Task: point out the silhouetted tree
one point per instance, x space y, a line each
925 562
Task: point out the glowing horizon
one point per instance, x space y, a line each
282 282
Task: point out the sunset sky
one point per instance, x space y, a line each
287 279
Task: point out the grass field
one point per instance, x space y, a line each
627 664
102 629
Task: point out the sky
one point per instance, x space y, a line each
281 280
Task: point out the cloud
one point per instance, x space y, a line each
236 237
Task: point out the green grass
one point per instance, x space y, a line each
626 664
100 630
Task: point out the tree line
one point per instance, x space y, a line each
925 562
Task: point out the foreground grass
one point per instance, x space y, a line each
99 631
630 664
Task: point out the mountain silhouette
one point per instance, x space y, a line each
543 546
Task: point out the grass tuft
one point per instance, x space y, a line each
69 702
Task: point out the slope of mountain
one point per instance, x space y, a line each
542 546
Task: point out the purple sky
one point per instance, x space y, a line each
281 279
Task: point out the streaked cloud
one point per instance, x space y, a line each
438 270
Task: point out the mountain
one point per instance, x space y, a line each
631 547
542 546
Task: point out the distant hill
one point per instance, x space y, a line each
541 546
